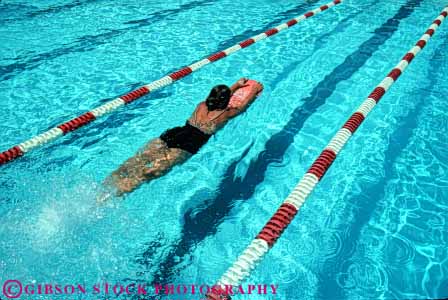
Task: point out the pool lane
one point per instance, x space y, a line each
205 220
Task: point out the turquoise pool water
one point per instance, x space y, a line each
376 226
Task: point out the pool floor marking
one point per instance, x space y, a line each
273 229
113 105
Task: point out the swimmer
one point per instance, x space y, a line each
178 144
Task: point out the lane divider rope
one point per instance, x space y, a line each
88 117
273 229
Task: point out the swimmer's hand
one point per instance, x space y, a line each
241 82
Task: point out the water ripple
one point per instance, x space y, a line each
399 251
364 277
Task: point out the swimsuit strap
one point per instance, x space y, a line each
218 115
210 120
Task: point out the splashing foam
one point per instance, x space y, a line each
48 222
64 213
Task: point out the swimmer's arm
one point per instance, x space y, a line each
239 84
246 101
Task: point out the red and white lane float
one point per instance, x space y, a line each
113 105
247 261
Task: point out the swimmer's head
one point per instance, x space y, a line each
218 98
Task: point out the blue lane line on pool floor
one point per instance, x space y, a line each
92 42
40 12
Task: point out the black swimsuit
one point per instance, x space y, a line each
187 137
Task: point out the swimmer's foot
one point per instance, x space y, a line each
106 193
103 197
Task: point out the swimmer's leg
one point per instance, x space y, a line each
106 193
129 175
153 161
163 164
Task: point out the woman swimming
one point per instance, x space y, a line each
176 145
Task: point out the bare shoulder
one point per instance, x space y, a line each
200 107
